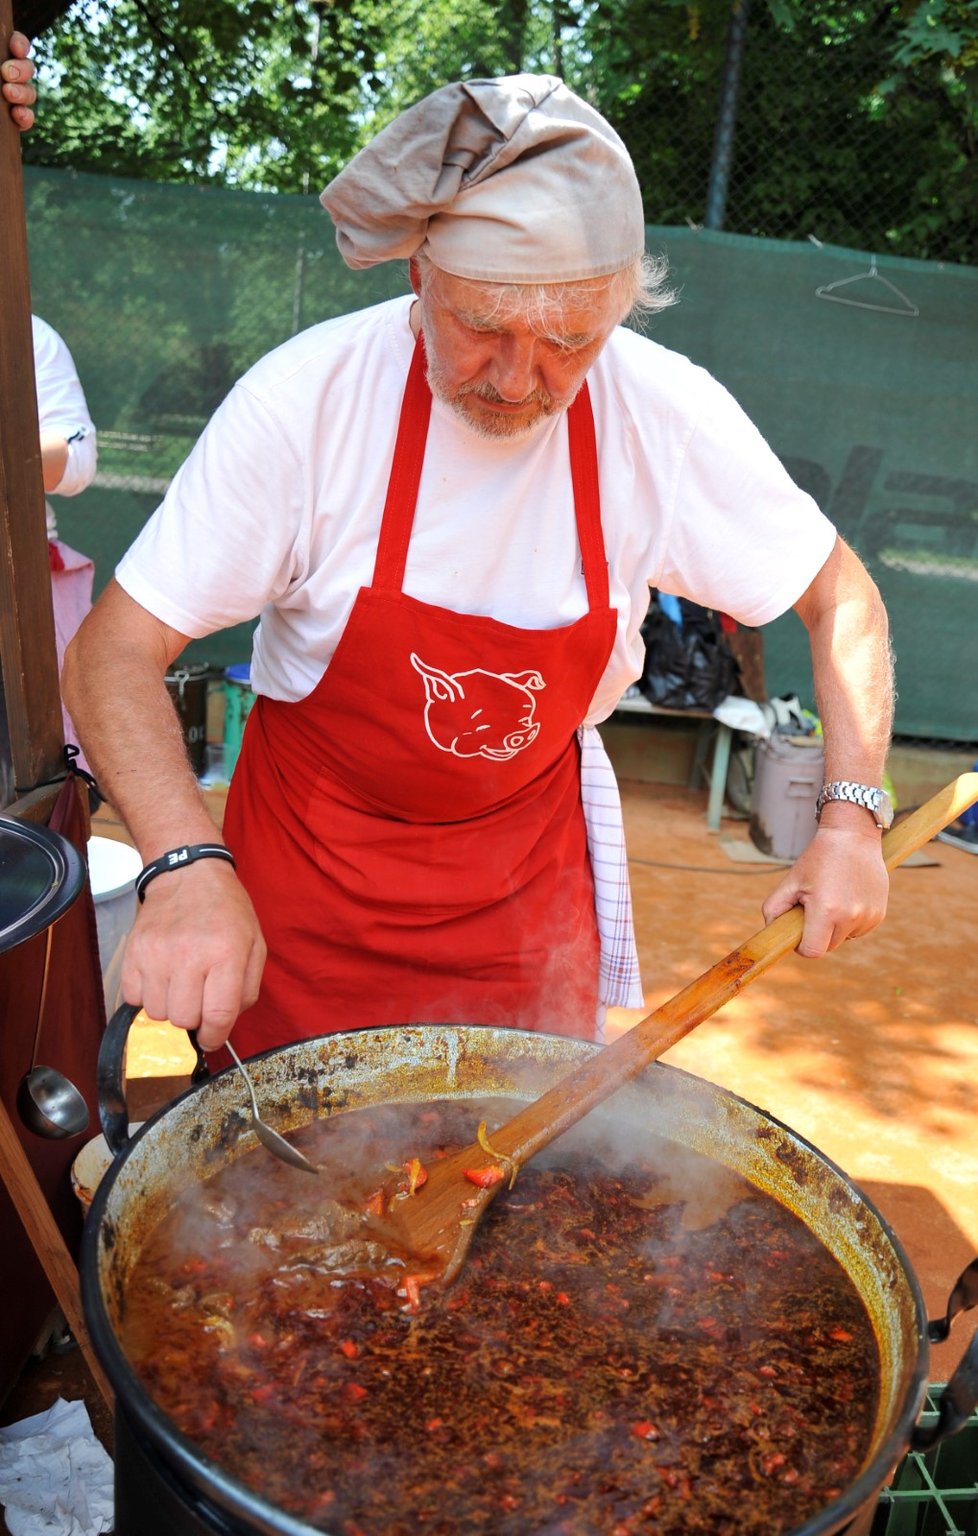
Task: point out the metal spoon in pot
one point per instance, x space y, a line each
47 1102
269 1138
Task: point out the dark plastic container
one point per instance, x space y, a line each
188 688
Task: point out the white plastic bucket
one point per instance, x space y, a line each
112 869
91 1162
788 773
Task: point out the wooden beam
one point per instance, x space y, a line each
48 1243
36 806
28 653
33 16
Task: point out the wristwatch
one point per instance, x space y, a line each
876 801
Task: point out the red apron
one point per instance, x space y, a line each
412 834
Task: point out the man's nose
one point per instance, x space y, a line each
514 373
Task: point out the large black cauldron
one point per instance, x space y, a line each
164 1484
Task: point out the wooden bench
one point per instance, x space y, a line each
709 729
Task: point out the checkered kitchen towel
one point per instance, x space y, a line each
620 982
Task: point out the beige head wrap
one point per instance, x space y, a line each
515 180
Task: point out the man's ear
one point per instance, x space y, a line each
414 273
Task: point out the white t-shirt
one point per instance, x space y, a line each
61 407
277 510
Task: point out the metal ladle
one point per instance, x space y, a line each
47 1102
269 1138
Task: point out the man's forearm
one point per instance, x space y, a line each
195 953
840 878
145 773
117 697
852 667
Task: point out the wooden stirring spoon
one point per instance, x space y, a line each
433 1226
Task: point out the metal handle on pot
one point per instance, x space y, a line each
110 1076
110 1080
960 1397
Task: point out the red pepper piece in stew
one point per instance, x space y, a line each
484 1177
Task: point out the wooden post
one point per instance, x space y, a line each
29 691
42 1229
28 653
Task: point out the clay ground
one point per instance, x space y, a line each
871 1054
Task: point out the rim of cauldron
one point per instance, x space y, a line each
216 1487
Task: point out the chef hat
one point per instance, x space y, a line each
515 180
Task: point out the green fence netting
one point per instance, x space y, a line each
860 372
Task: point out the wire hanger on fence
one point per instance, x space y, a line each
831 292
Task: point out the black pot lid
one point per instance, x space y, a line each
41 874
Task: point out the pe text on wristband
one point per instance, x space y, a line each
179 858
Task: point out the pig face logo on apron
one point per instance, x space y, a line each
477 713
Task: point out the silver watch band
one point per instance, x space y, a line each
871 797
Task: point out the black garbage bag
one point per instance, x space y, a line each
687 666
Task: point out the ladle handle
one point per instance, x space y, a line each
45 973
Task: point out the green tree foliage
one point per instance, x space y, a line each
182 90
253 93
886 123
858 123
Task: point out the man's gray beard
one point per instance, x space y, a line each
489 426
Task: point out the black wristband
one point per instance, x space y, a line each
178 858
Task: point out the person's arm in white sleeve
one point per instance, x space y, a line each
69 453
68 463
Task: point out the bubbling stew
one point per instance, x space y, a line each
648 1344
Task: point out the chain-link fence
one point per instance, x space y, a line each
853 123
800 134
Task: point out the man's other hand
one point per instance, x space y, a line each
195 954
17 73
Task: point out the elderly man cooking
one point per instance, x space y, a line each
448 511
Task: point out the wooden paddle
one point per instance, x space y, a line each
434 1227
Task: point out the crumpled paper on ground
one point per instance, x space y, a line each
55 1475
